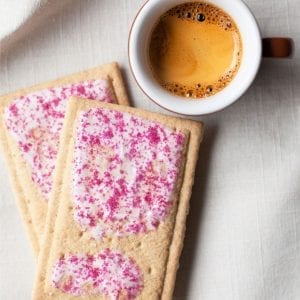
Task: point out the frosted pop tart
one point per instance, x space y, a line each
30 123
116 221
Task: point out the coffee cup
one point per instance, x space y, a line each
253 49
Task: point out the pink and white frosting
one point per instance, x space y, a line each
35 121
125 171
109 273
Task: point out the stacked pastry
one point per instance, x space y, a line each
103 188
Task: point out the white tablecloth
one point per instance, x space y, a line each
243 233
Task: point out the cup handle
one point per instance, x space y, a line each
277 47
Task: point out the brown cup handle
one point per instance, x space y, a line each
277 47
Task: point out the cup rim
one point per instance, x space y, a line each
200 106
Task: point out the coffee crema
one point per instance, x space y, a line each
195 50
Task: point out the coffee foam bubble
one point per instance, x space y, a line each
200 12
199 90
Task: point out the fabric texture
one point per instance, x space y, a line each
18 18
14 14
243 231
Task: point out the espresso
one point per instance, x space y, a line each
195 50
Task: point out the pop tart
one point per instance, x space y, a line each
116 220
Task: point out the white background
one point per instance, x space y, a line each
243 231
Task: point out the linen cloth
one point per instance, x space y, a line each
18 17
15 13
243 231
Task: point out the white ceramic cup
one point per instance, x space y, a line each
139 38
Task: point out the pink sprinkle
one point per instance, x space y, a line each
46 106
108 134
81 89
56 101
112 203
14 110
180 139
153 135
25 147
148 198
